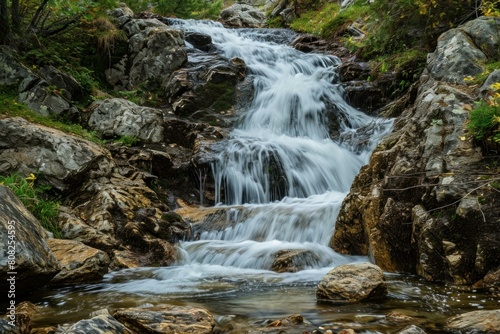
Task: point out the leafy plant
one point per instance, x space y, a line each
484 119
128 140
34 199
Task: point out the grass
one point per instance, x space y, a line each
34 199
128 140
316 21
9 107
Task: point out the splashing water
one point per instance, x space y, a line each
281 175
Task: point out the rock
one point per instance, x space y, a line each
242 16
120 117
25 311
101 324
155 51
354 71
46 100
12 72
75 228
70 88
346 331
398 210
33 262
486 90
293 260
122 14
79 263
7 328
200 41
167 319
492 282
477 322
61 160
352 282
459 51
412 329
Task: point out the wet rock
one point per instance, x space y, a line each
352 282
293 260
200 41
155 51
62 160
414 174
120 117
167 319
125 259
492 282
45 330
206 91
242 16
33 262
345 331
412 329
477 322
8 328
78 263
101 324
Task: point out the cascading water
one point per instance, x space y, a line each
280 180
281 176
280 166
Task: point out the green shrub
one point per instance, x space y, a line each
484 119
128 140
34 199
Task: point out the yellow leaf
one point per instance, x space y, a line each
463 138
31 177
467 107
495 86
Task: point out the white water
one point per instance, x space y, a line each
281 176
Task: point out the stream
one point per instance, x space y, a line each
280 182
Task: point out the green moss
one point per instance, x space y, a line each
316 21
35 199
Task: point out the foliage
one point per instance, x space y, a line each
12 108
403 24
188 8
34 198
484 119
316 21
128 140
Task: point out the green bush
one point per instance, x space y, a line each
484 119
34 199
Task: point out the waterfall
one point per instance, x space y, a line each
281 178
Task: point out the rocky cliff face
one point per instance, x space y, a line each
426 202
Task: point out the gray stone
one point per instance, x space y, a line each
12 72
241 15
486 89
155 51
120 117
21 233
352 282
167 319
63 160
101 324
476 322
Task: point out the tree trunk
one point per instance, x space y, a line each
4 23
15 15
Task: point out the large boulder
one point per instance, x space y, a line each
120 117
78 263
352 282
167 319
414 207
61 160
477 322
155 51
25 252
460 51
12 72
242 16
